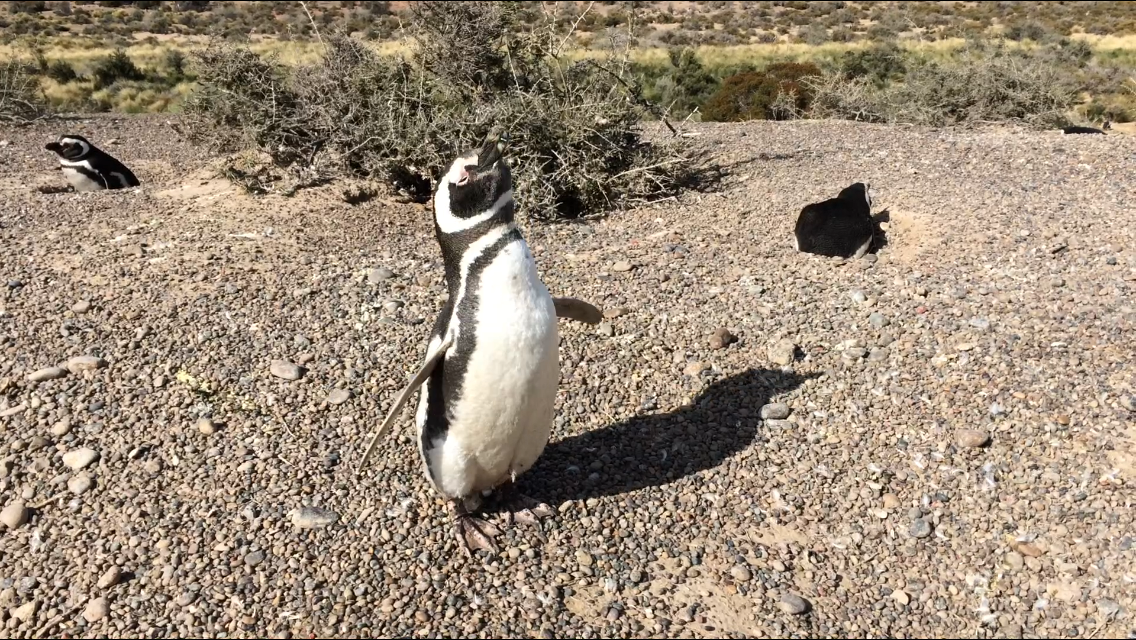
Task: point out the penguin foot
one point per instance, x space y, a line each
525 510
474 533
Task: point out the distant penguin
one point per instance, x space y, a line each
489 383
1079 129
88 168
838 227
1107 126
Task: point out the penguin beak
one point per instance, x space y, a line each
53 146
492 150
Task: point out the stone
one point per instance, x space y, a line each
255 558
338 396
695 369
878 320
606 329
621 267
722 338
286 370
891 501
858 297
920 528
900 597
79 484
375 276
13 411
14 515
80 459
49 373
96 610
313 517
392 306
775 411
583 558
782 353
79 364
1015 561
793 604
25 612
206 427
741 573
111 577
81 306
972 438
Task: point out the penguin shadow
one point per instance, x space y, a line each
657 449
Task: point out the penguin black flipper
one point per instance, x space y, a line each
574 309
415 382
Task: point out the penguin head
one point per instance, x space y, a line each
477 182
861 191
70 147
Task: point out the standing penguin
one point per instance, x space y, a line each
88 168
837 227
488 386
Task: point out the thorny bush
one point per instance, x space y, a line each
574 141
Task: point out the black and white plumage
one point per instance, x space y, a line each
88 168
837 227
1080 129
488 386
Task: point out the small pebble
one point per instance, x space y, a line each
775 411
878 320
79 459
79 364
50 373
14 515
583 558
96 610
79 484
338 396
858 297
206 427
81 306
901 597
782 353
111 577
793 604
255 558
973 438
722 338
621 266
375 276
741 573
920 528
606 329
286 370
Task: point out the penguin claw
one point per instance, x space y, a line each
475 533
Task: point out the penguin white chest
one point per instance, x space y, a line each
80 181
502 420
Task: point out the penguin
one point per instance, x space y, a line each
838 227
1079 129
88 168
487 389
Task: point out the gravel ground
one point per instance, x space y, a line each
949 446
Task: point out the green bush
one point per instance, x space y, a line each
879 63
777 93
117 67
60 71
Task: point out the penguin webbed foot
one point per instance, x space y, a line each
473 532
525 510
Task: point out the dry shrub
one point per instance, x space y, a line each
984 83
21 100
575 147
777 93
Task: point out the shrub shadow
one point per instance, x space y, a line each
657 449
